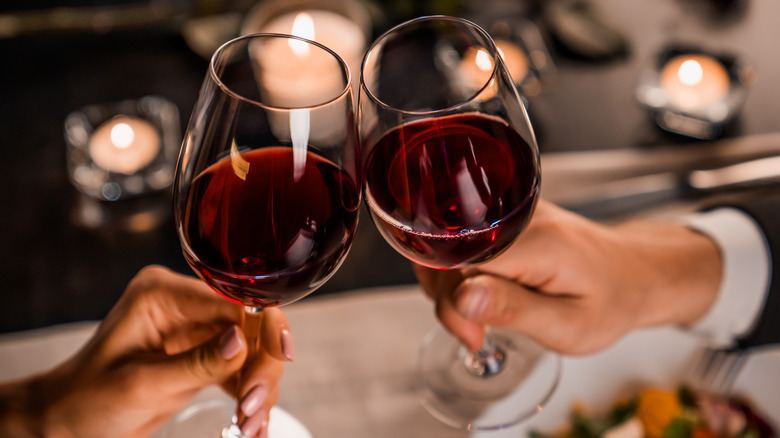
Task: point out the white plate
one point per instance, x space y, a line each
211 410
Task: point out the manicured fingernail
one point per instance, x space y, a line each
254 399
474 302
288 348
230 344
251 425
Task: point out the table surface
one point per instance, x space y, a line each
56 269
353 374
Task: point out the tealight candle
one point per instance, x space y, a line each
477 64
476 67
515 59
295 74
331 29
124 144
298 74
694 82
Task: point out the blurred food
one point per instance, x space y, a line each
668 413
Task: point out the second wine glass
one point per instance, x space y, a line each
452 175
267 189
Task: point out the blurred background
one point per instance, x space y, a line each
617 138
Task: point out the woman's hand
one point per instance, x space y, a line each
576 286
167 337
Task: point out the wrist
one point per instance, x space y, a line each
29 408
17 416
682 270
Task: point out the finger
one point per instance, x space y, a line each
427 279
276 338
159 305
188 336
255 426
553 239
259 385
469 332
497 302
439 285
209 363
191 299
437 282
260 390
183 310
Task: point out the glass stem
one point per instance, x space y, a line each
489 360
252 324
253 321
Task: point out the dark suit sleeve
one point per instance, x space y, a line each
764 208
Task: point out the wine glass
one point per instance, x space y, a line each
452 176
267 185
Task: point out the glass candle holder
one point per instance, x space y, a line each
343 26
124 149
694 92
525 54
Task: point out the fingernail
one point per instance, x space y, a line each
251 425
474 302
288 348
254 399
230 344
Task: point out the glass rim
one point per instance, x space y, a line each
212 74
491 45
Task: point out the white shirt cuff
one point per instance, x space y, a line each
746 264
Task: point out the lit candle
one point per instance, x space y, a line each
477 64
694 82
335 31
515 59
124 145
476 67
295 73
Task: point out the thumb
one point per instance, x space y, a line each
209 363
499 302
484 299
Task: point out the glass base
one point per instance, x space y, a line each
461 398
214 418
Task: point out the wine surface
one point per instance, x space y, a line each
451 191
268 226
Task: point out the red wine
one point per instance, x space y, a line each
265 228
451 191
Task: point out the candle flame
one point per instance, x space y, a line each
303 27
483 60
690 72
122 135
